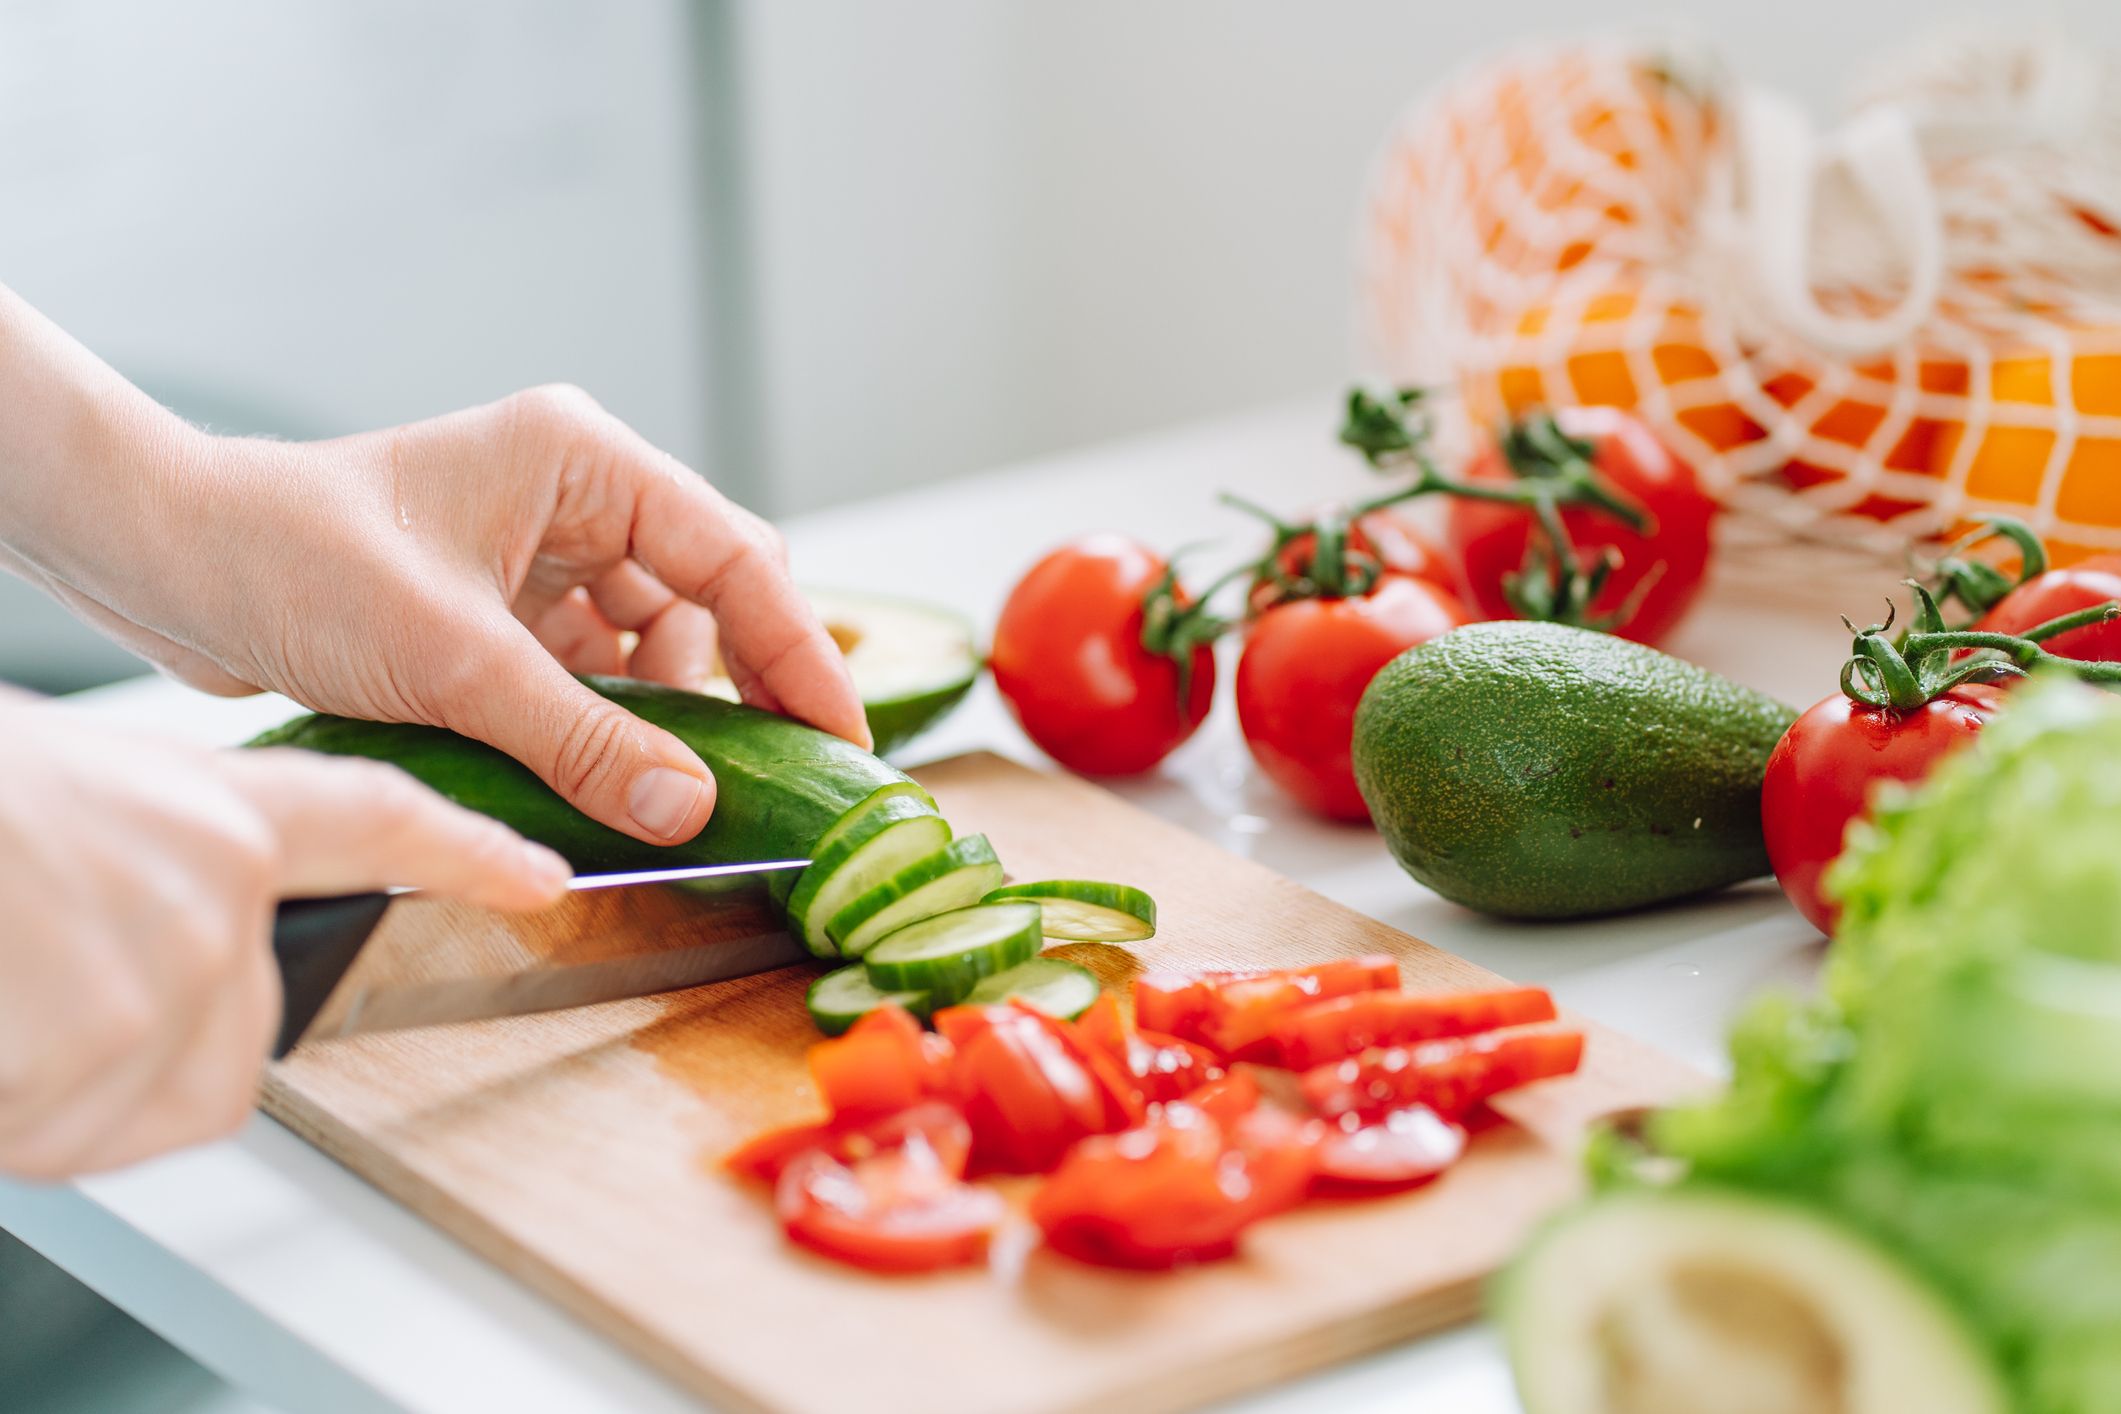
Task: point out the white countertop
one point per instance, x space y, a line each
296 1281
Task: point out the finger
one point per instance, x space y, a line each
677 637
348 825
602 759
576 633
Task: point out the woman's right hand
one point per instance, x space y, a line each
138 993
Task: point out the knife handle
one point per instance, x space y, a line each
315 940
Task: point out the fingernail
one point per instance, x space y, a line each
662 799
546 867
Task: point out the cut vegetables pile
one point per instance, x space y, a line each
1228 1097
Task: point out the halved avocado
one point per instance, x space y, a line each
1699 1301
911 662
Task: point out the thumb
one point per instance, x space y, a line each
603 760
347 825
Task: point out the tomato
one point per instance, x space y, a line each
1821 774
1385 536
1305 665
2058 592
1401 1149
935 1127
1338 1027
1027 1090
1163 1068
1068 659
898 1210
1492 539
1449 1077
884 1062
1229 1011
1228 1097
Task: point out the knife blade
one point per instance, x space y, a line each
732 928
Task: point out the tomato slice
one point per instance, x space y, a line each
884 1062
1401 1149
1162 1194
1227 1098
1162 1068
900 1210
1338 1027
1449 1077
1026 1088
1232 1012
1280 1156
932 1124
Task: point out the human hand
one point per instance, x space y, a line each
139 994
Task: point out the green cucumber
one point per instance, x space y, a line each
839 999
783 786
958 874
781 885
947 954
1084 911
1054 985
882 841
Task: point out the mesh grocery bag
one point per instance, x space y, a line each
1873 335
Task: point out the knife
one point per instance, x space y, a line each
738 931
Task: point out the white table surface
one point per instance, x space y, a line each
296 1281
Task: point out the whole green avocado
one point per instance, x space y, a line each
1533 770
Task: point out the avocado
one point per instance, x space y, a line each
1534 770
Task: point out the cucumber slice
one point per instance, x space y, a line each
888 838
1054 985
1672 1299
911 662
947 954
1084 911
840 998
954 876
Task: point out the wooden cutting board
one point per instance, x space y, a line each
575 1151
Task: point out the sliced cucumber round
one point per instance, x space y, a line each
911 662
888 837
1054 985
956 875
840 998
947 954
1085 911
782 885
1672 1299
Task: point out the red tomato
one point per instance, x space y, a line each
1163 1068
900 1210
1027 1092
1401 1149
1491 539
884 1062
1227 1098
2058 592
1821 774
1069 661
1449 1077
1333 1029
1391 539
935 1127
1304 668
1228 1011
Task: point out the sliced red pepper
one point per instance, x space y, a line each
1338 1027
900 1210
933 1124
1449 1077
884 1062
1402 1149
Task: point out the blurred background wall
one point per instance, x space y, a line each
819 248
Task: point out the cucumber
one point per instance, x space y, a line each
1083 911
1054 985
1662 1299
960 873
947 954
782 785
882 840
839 999
911 662
781 885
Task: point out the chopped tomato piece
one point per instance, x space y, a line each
1163 1068
1124 1104
1026 1090
1280 1152
1231 1012
1337 1027
900 1210
1449 1077
884 1062
1227 1098
936 1126
1399 1150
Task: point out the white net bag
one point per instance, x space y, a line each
1870 336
